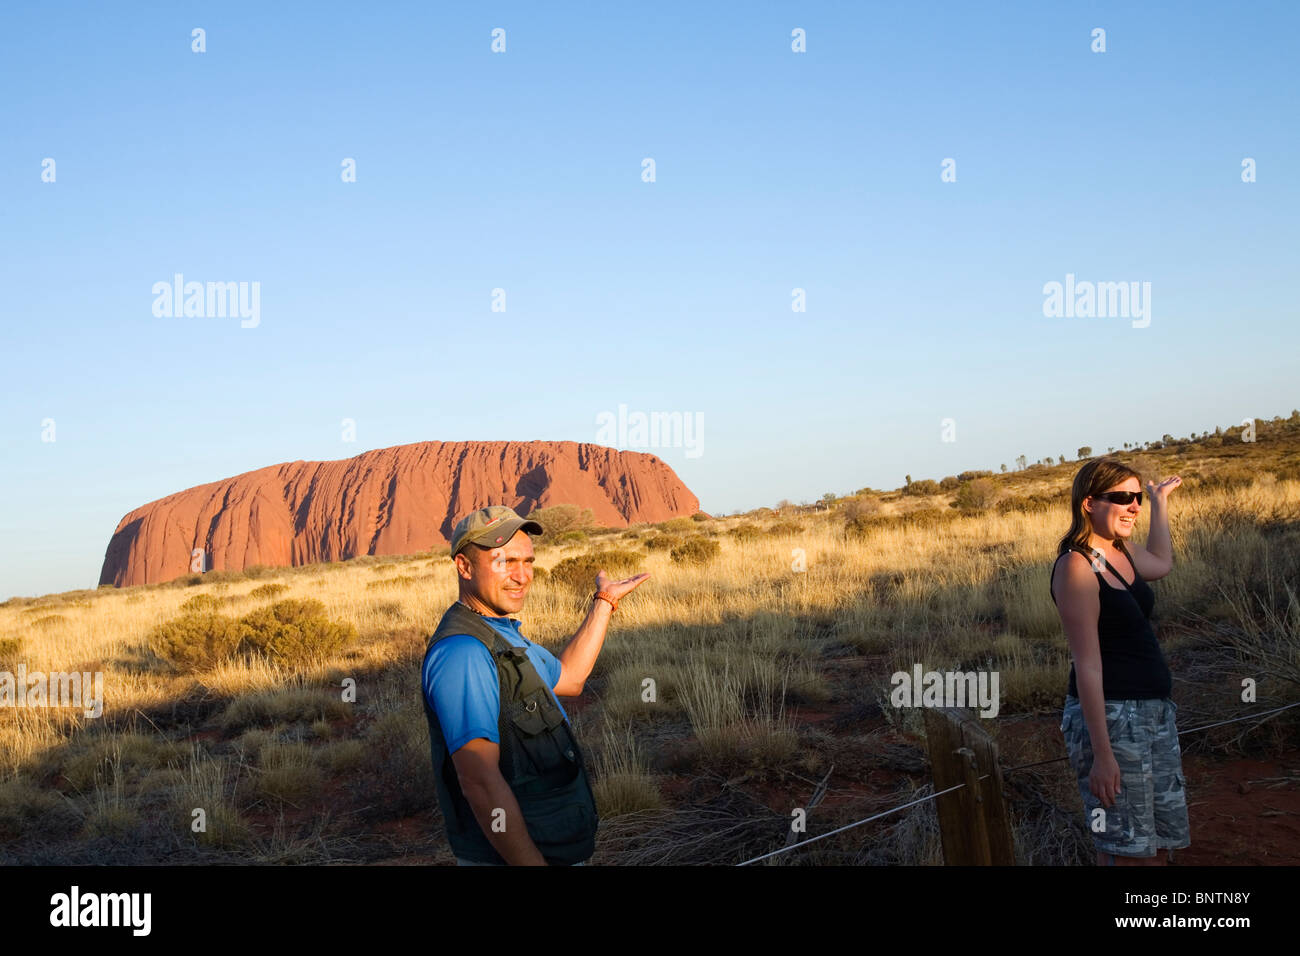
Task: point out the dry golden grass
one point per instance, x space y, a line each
740 650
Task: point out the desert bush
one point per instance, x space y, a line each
195 641
746 531
283 705
132 754
926 486
927 518
384 584
266 591
289 773
696 551
949 483
560 519
201 604
621 782
1050 501
579 572
785 528
1145 465
677 526
663 542
294 631
699 516
861 508
571 537
976 495
49 621
25 809
10 649
972 475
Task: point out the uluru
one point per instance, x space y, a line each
399 500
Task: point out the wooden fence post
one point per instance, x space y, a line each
973 820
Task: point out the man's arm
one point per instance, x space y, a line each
494 804
579 655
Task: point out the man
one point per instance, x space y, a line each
512 782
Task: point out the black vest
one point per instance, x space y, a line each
540 758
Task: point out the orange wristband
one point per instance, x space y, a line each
606 596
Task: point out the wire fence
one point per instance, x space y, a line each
1024 766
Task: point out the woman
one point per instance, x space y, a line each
1119 719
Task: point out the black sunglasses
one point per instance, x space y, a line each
1121 497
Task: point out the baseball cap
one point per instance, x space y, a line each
491 526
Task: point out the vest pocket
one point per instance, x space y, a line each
550 753
560 823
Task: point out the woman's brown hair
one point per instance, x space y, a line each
1097 476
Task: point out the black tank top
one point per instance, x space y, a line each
1132 665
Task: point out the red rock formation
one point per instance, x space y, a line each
398 500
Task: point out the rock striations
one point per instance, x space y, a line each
398 500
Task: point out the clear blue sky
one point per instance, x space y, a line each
522 170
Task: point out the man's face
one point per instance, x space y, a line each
498 578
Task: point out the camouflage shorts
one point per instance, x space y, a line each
1150 812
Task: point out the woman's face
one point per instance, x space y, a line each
1110 520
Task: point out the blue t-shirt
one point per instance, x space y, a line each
460 682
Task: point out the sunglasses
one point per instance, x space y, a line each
1121 497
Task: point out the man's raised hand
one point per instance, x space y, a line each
616 589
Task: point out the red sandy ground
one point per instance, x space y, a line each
1243 811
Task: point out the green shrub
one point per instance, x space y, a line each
579 572
696 551
195 641
294 631
265 591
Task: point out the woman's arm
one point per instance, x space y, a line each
1077 600
1157 559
